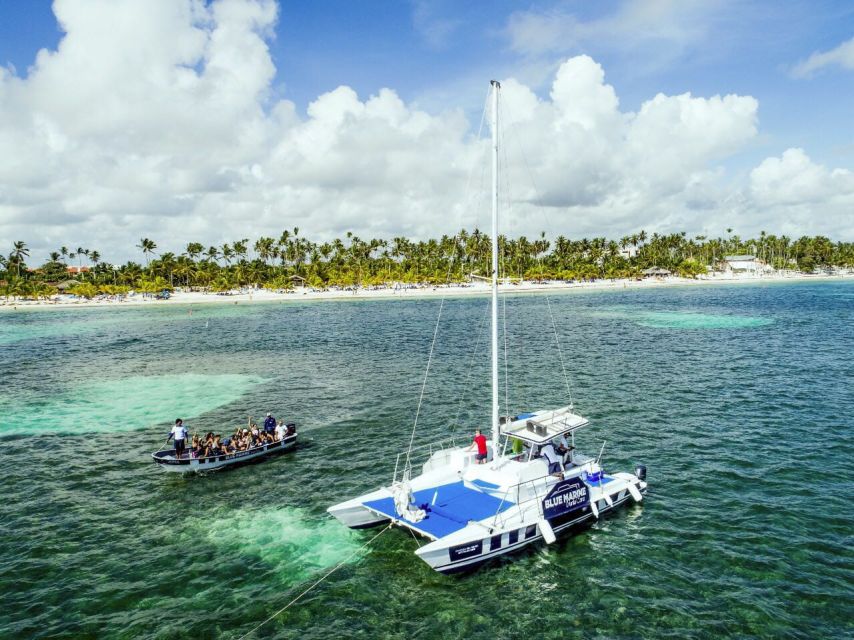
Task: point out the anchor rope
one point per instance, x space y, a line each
295 600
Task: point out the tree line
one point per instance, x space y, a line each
291 260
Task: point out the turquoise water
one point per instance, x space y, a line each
737 398
683 319
123 404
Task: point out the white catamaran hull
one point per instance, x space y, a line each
355 515
445 557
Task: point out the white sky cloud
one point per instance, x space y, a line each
663 28
843 56
802 194
156 119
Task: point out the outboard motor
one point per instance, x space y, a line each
290 429
640 471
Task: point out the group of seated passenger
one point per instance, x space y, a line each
243 439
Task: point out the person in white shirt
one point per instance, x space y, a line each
552 457
281 429
564 449
179 432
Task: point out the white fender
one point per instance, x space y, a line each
546 530
635 493
594 508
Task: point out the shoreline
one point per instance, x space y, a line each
263 296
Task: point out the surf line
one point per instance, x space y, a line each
295 600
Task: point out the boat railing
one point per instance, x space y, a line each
419 455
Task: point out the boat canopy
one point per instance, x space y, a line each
542 426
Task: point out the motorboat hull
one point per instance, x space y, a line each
167 461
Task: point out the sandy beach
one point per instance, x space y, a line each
402 291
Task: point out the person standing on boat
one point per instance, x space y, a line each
552 458
564 449
281 429
480 443
270 423
179 432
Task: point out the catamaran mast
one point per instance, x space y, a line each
495 429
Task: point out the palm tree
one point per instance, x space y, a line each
148 247
240 248
284 244
227 253
264 248
194 250
165 266
19 252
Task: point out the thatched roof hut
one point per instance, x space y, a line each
655 271
65 284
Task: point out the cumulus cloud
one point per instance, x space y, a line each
843 56
802 194
670 26
157 119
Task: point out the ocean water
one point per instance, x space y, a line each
738 398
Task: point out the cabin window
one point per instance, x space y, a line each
531 531
513 537
495 543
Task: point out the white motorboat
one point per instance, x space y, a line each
168 461
472 512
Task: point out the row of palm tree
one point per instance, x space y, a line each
281 262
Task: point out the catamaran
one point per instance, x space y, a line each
471 512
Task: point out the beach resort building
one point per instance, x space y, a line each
743 264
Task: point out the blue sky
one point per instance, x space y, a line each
438 56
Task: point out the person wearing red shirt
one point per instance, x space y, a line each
480 443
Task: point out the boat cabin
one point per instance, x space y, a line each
537 429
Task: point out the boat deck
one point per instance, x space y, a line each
449 508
